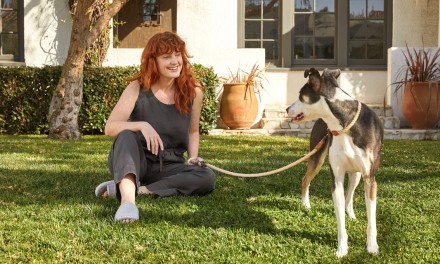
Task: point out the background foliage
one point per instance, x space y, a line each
25 94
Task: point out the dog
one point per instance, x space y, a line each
354 140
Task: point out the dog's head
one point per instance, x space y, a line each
312 95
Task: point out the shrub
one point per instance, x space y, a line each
25 94
209 80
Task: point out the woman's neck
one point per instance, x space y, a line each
165 84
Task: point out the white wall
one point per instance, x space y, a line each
282 87
415 22
47 32
212 37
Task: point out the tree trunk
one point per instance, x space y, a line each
67 97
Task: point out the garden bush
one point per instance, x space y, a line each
25 94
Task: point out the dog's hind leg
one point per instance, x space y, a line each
315 162
353 181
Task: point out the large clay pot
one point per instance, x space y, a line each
238 105
421 104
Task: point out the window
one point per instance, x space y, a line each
314 33
261 22
340 33
10 33
150 12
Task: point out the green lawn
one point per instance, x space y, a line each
48 211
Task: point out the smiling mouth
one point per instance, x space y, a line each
298 118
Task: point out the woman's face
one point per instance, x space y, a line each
170 64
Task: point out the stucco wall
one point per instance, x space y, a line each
282 87
210 31
47 32
415 22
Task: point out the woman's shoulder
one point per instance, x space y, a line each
133 85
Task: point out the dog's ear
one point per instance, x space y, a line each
306 73
335 73
314 79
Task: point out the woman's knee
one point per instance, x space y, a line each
126 135
207 180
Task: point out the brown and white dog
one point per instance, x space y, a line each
354 145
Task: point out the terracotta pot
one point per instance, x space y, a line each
238 106
421 104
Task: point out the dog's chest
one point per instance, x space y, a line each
343 153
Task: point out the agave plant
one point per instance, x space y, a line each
420 79
420 66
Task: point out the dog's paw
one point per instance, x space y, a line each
350 213
306 202
342 251
373 248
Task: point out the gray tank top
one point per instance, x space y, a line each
169 123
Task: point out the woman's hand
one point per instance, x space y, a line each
197 161
154 142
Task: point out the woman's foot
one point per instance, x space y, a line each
144 190
106 189
127 213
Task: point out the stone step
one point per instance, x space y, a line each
415 134
278 111
389 122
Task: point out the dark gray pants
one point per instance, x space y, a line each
127 156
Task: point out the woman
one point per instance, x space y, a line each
156 121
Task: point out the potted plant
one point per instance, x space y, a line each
239 105
418 80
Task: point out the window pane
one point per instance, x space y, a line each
8 21
325 6
270 30
252 9
252 44
375 50
9 4
376 29
303 5
357 29
325 25
271 9
9 44
324 48
376 9
303 48
303 25
271 48
357 9
252 30
356 50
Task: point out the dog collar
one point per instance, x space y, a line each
345 130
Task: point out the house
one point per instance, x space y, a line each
363 38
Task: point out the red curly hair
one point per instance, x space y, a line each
186 83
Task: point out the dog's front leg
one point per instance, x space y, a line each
339 201
370 202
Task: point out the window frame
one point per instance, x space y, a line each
20 36
341 41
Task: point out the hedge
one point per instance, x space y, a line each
25 94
